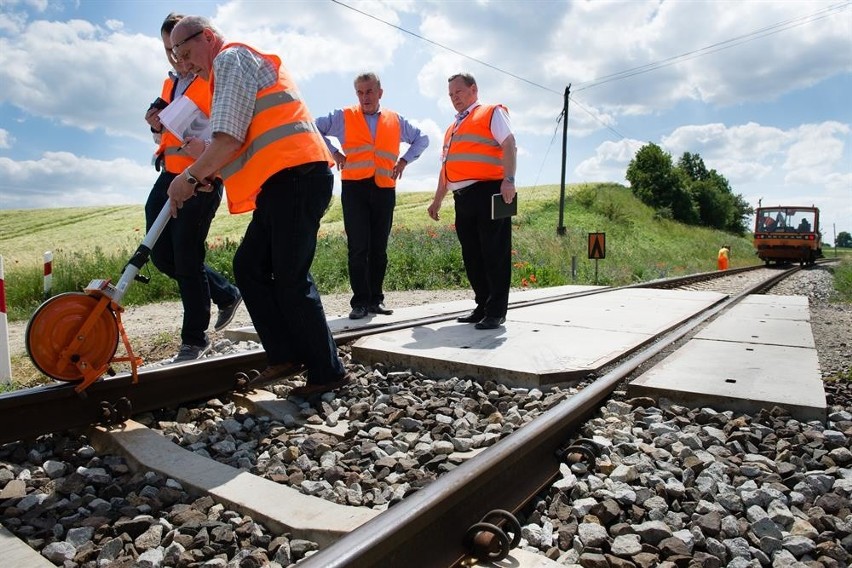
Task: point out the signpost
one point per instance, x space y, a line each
597 249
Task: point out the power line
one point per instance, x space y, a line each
647 68
442 46
719 46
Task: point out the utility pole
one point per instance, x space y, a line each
560 229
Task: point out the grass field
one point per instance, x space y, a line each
96 242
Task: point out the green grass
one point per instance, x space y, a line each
91 243
843 279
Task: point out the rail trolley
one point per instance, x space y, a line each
785 234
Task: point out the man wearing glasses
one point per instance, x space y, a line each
274 162
180 250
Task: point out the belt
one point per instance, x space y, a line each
302 169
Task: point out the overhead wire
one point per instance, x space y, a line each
772 29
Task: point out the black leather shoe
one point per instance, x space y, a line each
472 317
379 309
490 322
358 312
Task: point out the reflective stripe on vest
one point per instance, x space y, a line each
177 160
470 151
281 135
365 158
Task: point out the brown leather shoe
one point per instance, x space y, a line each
275 373
310 390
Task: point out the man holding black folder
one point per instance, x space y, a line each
478 163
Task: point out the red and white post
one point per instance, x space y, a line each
5 355
48 274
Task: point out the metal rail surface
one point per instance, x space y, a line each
428 528
32 412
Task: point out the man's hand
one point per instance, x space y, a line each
507 190
339 159
179 191
398 167
152 117
434 208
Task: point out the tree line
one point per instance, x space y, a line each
687 192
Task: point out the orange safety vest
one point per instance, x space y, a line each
177 160
470 151
282 134
722 259
365 158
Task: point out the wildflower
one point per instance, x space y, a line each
532 278
524 283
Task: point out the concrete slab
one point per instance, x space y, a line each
519 558
759 354
16 552
735 327
539 345
279 507
794 308
338 323
744 377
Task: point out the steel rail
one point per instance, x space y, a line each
427 528
32 412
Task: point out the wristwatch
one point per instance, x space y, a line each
510 179
196 183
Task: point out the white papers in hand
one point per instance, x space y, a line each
185 120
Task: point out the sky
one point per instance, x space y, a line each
761 90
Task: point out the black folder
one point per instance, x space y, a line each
500 209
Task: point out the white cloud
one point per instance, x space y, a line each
63 179
6 139
100 75
296 33
82 75
609 162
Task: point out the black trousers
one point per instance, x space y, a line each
272 268
179 254
486 246
367 218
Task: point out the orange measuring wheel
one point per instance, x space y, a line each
73 336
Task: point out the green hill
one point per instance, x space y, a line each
95 242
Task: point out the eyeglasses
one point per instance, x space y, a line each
183 41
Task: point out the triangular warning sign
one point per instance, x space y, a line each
597 245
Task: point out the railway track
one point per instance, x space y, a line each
516 468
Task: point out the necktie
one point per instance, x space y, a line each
459 117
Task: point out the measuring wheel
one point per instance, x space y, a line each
72 337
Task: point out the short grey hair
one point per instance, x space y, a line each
369 76
466 77
193 24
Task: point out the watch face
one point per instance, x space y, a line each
190 178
